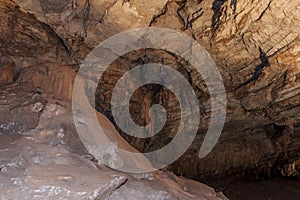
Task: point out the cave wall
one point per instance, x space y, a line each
255 45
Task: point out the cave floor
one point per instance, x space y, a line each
48 161
11 164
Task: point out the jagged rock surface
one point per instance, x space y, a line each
255 45
20 108
49 162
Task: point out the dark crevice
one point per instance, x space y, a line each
17 74
264 63
285 77
233 5
195 15
274 131
125 1
163 12
217 8
59 39
258 71
181 7
51 31
188 23
264 11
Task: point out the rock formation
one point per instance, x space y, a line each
255 45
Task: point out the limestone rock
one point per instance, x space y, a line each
41 164
255 45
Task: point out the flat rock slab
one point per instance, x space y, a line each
33 170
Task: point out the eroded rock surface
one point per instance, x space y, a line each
49 162
255 45
20 108
24 38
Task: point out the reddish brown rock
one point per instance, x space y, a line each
50 78
7 71
255 45
23 37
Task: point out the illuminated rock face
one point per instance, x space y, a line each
255 45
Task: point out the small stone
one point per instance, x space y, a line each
3 169
37 107
60 134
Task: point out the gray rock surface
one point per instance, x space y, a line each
49 162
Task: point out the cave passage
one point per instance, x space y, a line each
51 146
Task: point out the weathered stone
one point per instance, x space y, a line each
255 45
50 78
7 71
23 36
42 164
20 108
